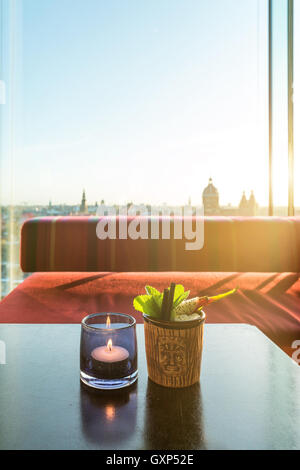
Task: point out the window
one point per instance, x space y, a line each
132 101
297 103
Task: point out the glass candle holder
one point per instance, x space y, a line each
108 351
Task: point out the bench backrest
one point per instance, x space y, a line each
231 244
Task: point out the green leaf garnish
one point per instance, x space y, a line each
151 290
150 304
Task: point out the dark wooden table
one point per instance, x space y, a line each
249 396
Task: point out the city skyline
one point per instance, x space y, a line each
188 200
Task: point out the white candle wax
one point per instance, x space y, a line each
115 354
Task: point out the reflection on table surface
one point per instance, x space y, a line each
108 416
170 418
173 418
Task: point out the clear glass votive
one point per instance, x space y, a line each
108 350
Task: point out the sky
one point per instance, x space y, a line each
135 100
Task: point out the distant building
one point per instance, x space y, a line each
253 206
248 207
83 210
243 206
210 199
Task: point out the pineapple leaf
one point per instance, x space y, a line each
181 298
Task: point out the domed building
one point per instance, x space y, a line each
210 198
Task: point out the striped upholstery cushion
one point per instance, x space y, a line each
268 300
231 244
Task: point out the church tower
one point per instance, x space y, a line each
243 206
252 204
248 207
83 205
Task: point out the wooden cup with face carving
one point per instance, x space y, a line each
174 351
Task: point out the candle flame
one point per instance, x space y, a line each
108 322
109 345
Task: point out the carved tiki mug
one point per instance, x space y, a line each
174 351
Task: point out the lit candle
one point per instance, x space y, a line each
110 353
110 361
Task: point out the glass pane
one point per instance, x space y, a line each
139 101
280 106
297 104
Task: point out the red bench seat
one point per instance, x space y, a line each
270 301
